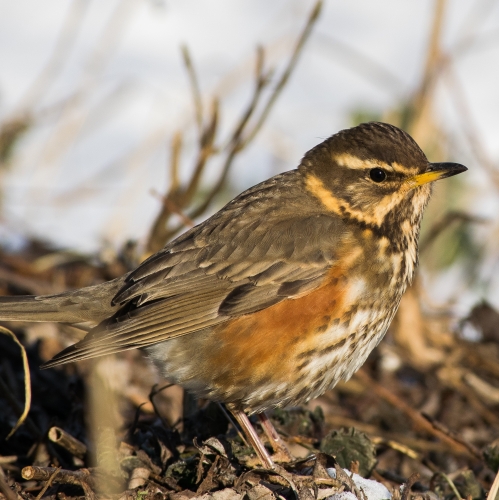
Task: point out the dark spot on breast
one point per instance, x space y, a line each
333 347
321 329
346 320
295 339
303 393
302 365
307 354
266 379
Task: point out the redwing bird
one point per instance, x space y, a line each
279 295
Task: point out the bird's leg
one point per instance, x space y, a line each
253 438
278 445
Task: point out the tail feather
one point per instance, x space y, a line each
92 303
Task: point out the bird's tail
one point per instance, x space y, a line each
92 303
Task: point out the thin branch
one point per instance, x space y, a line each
7 491
27 382
175 160
456 436
68 442
74 115
47 484
236 144
421 103
206 150
239 139
193 80
81 477
177 198
450 482
361 63
314 15
63 46
406 492
494 489
417 419
154 392
172 208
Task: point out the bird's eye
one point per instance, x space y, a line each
377 174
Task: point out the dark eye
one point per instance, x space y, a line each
377 175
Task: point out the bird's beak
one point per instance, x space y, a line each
436 171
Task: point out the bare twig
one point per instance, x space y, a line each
417 419
175 160
172 208
450 482
314 15
73 115
347 480
453 376
494 489
27 382
378 436
408 485
81 477
394 445
5 488
47 484
356 60
193 80
154 392
177 198
236 142
421 123
240 138
63 46
206 150
455 436
68 442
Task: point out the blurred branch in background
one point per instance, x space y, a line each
75 111
64 44
355 60
179 198
24 115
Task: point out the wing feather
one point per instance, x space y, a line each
271 243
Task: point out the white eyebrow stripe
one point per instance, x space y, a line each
355 163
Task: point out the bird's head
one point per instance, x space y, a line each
374 173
